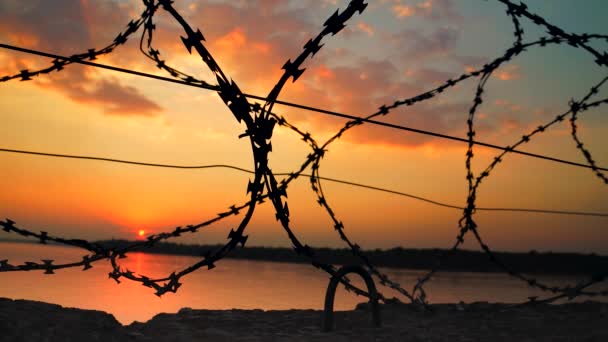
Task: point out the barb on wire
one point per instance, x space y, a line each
467 223
259 122
91 54
193 82
305 137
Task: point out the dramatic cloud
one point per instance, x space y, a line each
108 94
254 51
68 27
251 40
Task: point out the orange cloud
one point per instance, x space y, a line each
67 27
251 42
508 73
110 95
323 72
402 11
433 9
234 39
505 73
364 27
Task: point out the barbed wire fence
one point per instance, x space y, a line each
260 120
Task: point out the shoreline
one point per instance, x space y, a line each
532 262
23 320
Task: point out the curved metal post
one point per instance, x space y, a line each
328 314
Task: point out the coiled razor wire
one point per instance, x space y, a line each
260 120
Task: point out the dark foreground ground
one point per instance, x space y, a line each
34 321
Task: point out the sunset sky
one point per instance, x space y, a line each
394 50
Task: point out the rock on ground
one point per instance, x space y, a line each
22 320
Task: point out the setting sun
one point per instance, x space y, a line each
450 155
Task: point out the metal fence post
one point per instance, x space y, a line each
328 313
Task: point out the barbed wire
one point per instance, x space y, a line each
466 223
335 180
259 121
60 63
193 82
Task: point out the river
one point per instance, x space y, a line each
232 284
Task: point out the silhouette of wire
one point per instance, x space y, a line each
467 223
334 180
452 206
123 161
104 66
260 122
308 108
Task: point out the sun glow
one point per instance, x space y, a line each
141 233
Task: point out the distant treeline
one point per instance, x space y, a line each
461 260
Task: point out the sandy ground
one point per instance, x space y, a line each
34 321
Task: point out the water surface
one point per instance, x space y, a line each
232 284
